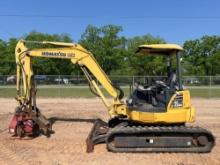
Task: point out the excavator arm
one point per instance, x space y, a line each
77 55
28 120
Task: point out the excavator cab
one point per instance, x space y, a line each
156 96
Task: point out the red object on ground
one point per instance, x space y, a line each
13 125
27 125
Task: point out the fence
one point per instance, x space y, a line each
77 86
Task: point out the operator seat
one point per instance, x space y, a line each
164 93
172 80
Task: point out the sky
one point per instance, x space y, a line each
173 20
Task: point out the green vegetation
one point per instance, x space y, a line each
205 92
116 54
77 92
202 56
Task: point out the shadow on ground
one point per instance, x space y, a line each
53 120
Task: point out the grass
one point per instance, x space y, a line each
54 92
62 91
205 92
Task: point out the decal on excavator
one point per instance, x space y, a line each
58 54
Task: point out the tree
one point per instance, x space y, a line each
7 62
116 54
4 58
106 45
142 64
201 56
51 66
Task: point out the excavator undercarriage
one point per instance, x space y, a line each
141 138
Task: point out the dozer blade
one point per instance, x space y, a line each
97 135
160 139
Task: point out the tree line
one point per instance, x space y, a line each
116 54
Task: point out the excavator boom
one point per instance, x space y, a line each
73 52
27 109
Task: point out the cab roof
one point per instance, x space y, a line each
159 49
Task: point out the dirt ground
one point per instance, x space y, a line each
74 121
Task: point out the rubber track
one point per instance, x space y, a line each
160 129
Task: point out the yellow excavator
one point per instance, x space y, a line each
152 119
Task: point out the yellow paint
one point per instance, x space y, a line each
183 114
159 49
